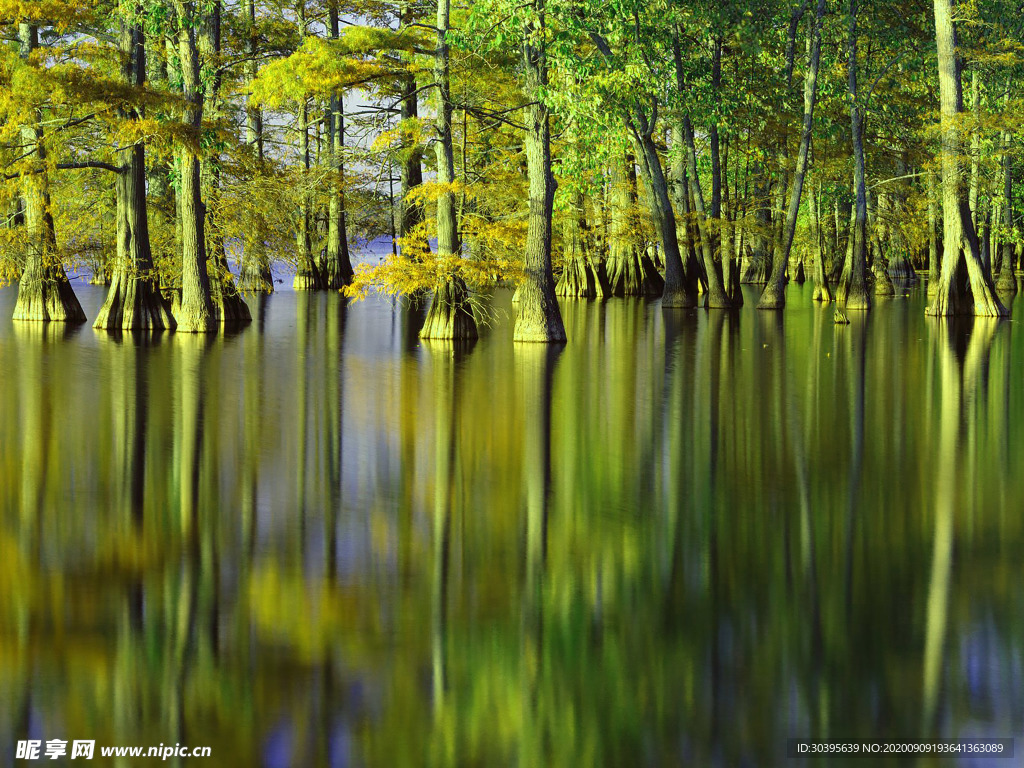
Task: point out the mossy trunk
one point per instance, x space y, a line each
44 292
881 243
696 282
934 254
134 301
411 166
717 298
759 265
539 317
965 287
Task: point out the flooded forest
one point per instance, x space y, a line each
493 382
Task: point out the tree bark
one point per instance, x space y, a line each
134 300
539 318
853 287
717 298
822 290
1007 285
254 270
774 295
450 315
44 292
195 313
335 265
962 269
630 272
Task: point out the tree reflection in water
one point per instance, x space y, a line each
682 538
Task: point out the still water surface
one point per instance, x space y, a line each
681 539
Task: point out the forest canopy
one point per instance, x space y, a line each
178 150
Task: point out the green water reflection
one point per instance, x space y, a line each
681 539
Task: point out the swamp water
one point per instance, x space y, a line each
680 539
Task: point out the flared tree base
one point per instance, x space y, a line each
883 285
773 297
306 281
822 293
539 318
228 305
631 273
450 316
335 272
45 295
801 276
758 271
255 278
195 316
582 278
854 297
1006 285
134 304
949 301
900 268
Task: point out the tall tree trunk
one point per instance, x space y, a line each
228 304
934 256
307 277
411 166
960 242
717 298
539 318
450 315
254 270
853 287
580 275
195 312
44 292
335 264
630 272
134 301
774 295
822 290
1007 285
881 242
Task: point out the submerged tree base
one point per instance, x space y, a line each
539 318
582 278
335 272
45 295
134 304
1006 285
255 278
450 316
854 297
900 268
758 271
631 273
773 297
228 305
883 285
306 280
